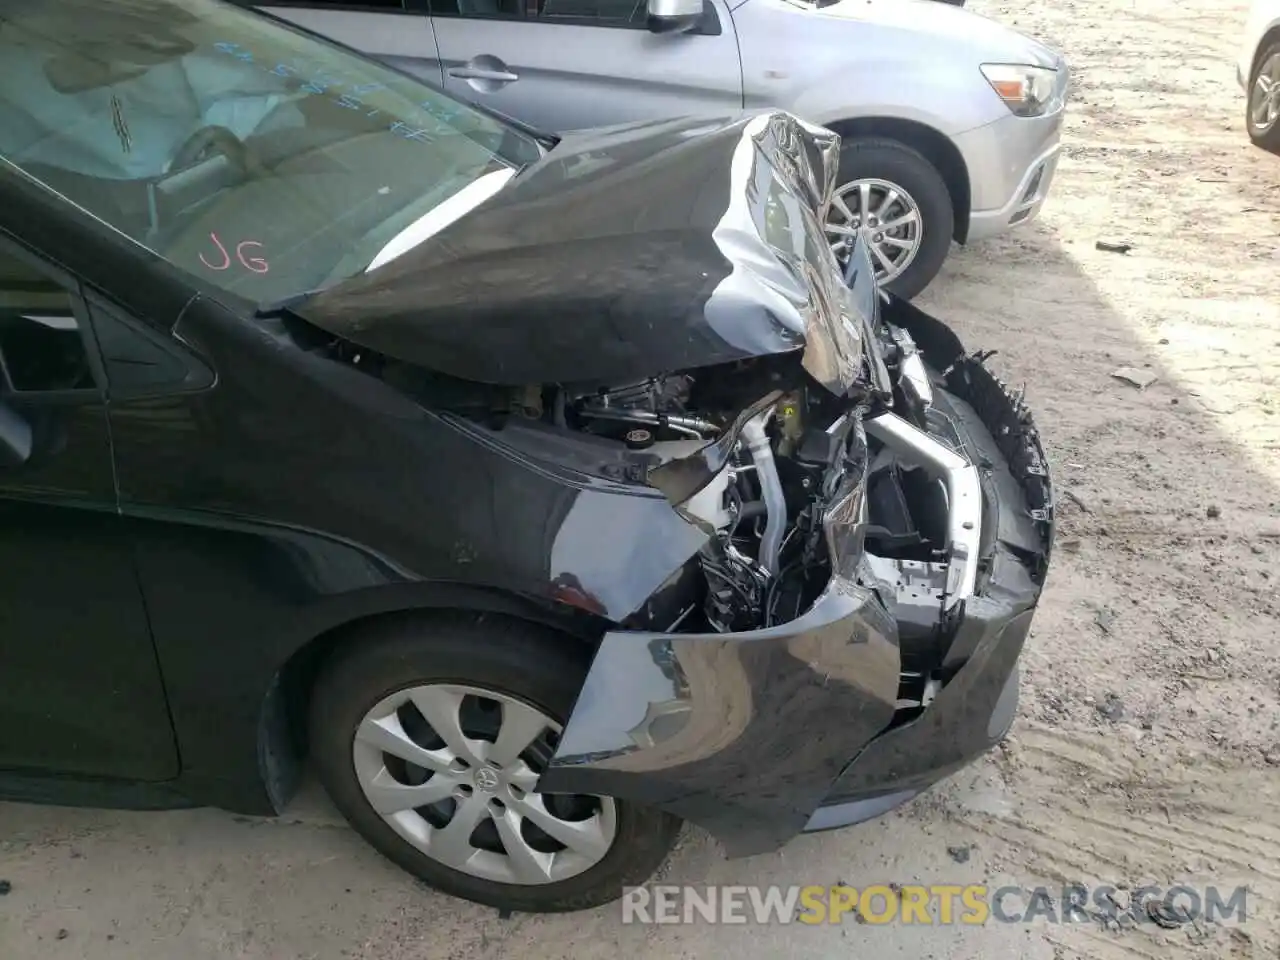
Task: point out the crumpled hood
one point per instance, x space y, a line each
959 29
625 253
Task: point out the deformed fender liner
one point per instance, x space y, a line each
740 733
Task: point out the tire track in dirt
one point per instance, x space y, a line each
1124 820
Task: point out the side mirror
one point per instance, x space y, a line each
673 16
15 438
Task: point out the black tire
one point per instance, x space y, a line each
1269 138
522 660
897 163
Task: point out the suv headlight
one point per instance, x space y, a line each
1027 90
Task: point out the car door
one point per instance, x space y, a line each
562 65
394 31
80 690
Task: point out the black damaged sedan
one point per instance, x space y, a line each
541 493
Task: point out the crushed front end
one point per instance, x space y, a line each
878 521
810 528
849 632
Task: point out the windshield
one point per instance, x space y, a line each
260 159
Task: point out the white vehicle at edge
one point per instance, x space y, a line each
1258 71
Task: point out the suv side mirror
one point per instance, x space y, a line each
673 16
15 438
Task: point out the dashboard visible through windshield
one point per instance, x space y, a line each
258 158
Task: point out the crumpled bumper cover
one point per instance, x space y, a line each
759 735
970 715
741 733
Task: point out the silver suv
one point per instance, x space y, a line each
950 121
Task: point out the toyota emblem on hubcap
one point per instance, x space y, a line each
486 780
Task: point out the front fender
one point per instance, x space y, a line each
741 733
825 68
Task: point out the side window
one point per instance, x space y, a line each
43 347
492 9
141 362
587 13
42 344
612 13
386 6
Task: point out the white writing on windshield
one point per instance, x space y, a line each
434 118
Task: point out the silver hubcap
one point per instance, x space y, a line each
1264 99
452 768
885 216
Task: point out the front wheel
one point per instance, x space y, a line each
1263 115
896 200
430 735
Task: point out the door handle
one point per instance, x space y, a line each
480 73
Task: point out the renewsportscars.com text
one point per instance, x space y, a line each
934 904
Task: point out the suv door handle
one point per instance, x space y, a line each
480 73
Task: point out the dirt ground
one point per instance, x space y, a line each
1149 743
1148 746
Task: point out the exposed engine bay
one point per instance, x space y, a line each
764 509
784 476
805 472
790 481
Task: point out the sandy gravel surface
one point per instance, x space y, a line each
1149 744
1148 748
